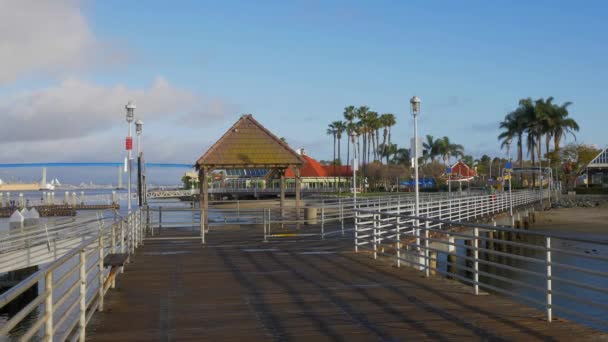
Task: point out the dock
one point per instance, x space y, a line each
239 289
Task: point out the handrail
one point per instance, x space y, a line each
92 252
397 233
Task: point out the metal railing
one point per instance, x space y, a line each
550 271
74 286
328 216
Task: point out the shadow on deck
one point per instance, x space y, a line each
238 288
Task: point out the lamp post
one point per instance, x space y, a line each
354 138
130 107
140 184
415 102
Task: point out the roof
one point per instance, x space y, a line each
600 161
248 144
313 168
463 170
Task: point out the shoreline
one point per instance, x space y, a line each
574 220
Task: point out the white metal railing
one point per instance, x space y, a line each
550 271
329 216
47 241
74 286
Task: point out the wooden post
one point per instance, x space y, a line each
282 190
204 199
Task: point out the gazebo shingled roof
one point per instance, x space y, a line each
248 144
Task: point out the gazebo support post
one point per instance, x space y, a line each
298 191
204 198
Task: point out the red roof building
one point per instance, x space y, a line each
313 169
462 170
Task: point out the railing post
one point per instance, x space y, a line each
122 236
82 322
476 259
356 227
48 307
427 261
100 275
265 223
160 218
202 224
341 214
113 237
399 232
148 220
323 223
549 285
375 231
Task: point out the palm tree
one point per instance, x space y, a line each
387 120
340 127
430 147
402 156
562 124
361 114
349 116
447 149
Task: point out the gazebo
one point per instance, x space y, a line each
248 145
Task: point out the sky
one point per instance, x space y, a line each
68 67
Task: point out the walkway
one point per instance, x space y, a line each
314 290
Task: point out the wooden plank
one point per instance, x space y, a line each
239 289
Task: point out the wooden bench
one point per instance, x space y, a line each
115 261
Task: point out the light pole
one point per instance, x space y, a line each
415 102
130 107
140 184
354 138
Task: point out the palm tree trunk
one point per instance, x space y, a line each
334 160
348 148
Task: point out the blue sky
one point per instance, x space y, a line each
296 64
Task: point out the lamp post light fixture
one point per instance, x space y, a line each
415 106
130 107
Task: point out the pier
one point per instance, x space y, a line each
344 274
238 289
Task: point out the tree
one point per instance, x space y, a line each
430 147
577 157
446 149
349 116
389 122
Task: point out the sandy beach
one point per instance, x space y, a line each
571 220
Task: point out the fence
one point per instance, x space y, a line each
74 286
550 271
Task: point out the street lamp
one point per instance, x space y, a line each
130 107
415 102
138 128
353 136
140 183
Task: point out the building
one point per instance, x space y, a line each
597 170
313 175
316 176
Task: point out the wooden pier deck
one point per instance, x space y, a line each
237 288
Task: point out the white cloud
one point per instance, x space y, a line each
47 36
77 108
